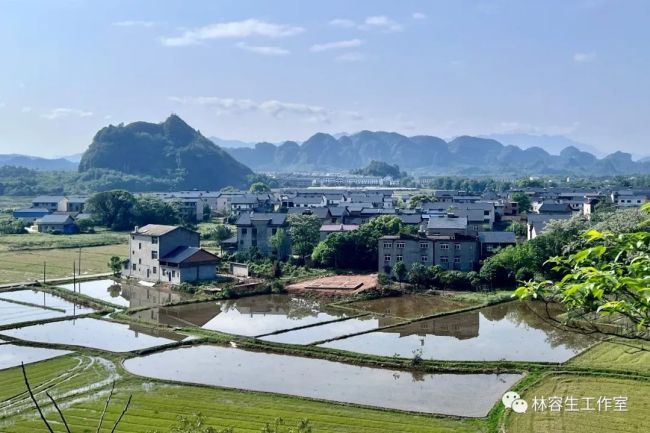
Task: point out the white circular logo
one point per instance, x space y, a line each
509 397
520 406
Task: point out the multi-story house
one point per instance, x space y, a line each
162 253
256 229
455 252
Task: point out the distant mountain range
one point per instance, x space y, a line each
168 150
423 154
38 163
553 144
226 144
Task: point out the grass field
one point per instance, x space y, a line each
15 202
156 405
623 356
36 241
27 265
635 419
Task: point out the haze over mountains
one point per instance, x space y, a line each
424 154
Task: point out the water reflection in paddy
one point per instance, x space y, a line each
126 294
99 334
233 368
12 355
412 305
251 316
42 306
326 331
513 331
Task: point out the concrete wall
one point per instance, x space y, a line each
143 265
461 255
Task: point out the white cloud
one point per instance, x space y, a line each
349 57
419 16
381 22
231 30
264 50
272 107
584 57
342 22
133 23
337 45
60 113
26 110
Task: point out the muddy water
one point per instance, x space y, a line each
12 355
43 306
450 394
512 331
250 316
125 294
411 306
99 334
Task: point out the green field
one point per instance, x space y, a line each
27 265
36 241
156 405
621 355
635 419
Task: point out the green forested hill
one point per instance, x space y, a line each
169 150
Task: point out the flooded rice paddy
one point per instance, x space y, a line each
447 394
513 331
125 294
12 355
325 331
250 316
94 333
411 306
29 305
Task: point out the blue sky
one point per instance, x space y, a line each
285 69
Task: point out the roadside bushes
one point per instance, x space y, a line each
12 226
422 278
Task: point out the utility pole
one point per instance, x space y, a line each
43 273
79 261
74 277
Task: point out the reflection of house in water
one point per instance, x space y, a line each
156 332
143 296
281 305
461 325
197 314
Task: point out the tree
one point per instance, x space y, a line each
608 279
113 209
152 210
115 263
523 201
419 276
281 244
400 271
259 187
12 226
304 231
520 229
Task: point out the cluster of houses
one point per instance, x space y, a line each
54 214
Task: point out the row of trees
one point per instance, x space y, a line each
121 210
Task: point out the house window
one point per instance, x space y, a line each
132 238
154 254
444 259
456 259
154 270
173 274
244 231
423 245
387 258
444 246
154 240
139 245
399 244
424 259
274 231
133 266
399 258
457 246
486 212
388 245
139 261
